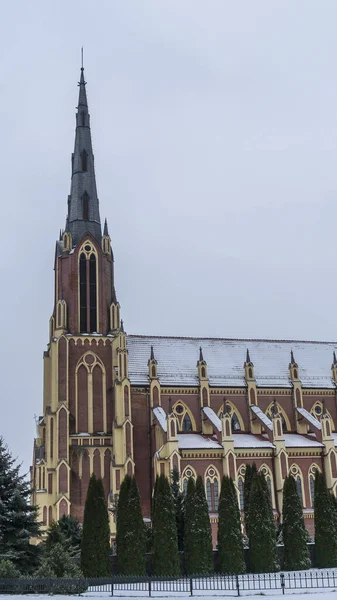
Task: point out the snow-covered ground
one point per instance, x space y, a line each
318 595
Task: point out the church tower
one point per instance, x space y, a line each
86 424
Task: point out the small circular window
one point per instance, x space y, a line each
87 248
318 409
211 472
188 473
179 409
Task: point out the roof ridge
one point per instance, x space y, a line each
224 339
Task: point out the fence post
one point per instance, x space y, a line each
191 586
150 587
237 584
112 587
283 584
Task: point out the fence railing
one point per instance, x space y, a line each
229 585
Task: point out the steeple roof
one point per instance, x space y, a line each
83 205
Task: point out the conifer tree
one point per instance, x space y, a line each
230 543
95 547
178 499
122 524
325 525
198 549
135 534
18 518
262 533
165 540
249 474
296 554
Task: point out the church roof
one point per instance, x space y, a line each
177 359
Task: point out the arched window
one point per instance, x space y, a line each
88 274
187 473
267 475
187 424
185 482
296 473
84 160
241 493
83 294
212 489
312 473
85 205
285 422
93 294
268 482
235 423
184 416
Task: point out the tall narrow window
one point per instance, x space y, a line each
209 494
85 203
93 290
299 488
241 496
187 424
312 489
83 294
84 160
216 494
235 423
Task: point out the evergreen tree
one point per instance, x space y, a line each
198 534
230 542
122 523
18 518
178 499
95 547
325 525
262 533
165 540
296 554
67 532
134 541
249 474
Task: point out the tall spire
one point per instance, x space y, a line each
83 206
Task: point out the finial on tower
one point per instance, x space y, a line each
292 359
247 357
152 354
334 358
105 229
82 59
201 357
122 326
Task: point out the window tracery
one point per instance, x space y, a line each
236 419
284 418
212 489
184 417
297 475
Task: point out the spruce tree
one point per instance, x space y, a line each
296 554
95 547
262 533
230 542
249 474
165 540
18 518
198 548
325 525
178 499
122 524
135 560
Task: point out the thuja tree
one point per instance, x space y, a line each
178 500
95 547
198 549
249 473
135 543
122 524
296 554
262 533
230 543
165 541
18 518
325 525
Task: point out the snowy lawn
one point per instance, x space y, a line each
271 595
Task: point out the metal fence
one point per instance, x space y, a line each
230 585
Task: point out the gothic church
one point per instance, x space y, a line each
116 403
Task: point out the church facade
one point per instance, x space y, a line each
116 403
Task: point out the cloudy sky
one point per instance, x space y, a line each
215 136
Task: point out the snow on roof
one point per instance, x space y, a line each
249 440
334 436
189 441
262 416
177 359
295 440
309 417
160 415
213 417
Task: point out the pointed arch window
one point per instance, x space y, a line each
241 496
295 472
212 489
88 289
312 474
85 206
235 423
187 424
209 495
84 160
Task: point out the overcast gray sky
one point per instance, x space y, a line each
214 128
